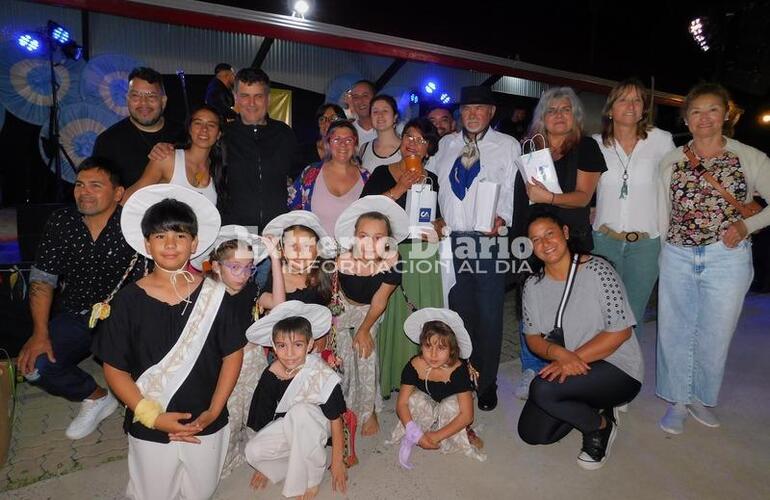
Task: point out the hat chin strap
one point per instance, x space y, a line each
186 275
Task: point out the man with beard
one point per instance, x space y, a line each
127 143
84 253
441 118
466 158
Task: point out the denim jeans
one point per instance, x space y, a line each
71 343
637 265
529 361
700 297
478 297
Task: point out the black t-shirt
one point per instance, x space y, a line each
308 295
88 270
459 381
361 289
221 98
268 394
127 147
141 330
382 180
585 156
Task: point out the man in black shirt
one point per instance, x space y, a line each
127 143
219 93
84 252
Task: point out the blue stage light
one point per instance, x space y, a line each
414 98
29 41
60 35
430 87
445 98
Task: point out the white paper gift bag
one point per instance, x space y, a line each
538 164
485 206
420 207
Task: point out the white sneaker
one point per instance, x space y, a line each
522 388
703 414
673 421
92 411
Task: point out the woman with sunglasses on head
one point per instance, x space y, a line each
329 188
421 282
386 148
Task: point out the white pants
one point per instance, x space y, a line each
165 471
292 447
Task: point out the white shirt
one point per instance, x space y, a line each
638 211
498 153
371 160
179 177
363 134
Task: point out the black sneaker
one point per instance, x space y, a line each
488 398
596 446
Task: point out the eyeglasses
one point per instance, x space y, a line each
347 141
566 110
416 140
139 96
328 119
240 269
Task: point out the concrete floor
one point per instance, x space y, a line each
732 462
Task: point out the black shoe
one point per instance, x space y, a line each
488 398
596 446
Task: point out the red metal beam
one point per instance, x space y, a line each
147 12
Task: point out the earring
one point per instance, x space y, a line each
610 117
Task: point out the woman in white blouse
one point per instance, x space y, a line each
626 225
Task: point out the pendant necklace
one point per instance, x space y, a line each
624 187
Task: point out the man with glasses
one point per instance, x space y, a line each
127 143
465 159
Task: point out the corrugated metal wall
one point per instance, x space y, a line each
168 48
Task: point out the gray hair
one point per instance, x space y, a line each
538 118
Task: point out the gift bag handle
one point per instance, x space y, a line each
531 142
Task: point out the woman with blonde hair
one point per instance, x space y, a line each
626 225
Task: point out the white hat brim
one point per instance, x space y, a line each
206 213
320 318
345 228
327 247
234 232
414 323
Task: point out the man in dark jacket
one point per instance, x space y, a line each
219 93
261 154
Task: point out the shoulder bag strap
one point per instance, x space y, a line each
567 291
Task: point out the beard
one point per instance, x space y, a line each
147 122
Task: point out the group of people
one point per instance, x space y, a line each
252 299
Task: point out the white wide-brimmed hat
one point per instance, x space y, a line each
414 323
320 318
327 247
234 232
345 229
205 212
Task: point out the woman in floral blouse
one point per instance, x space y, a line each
705 262
328 188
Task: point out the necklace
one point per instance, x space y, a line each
624 187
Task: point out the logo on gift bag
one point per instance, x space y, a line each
424 215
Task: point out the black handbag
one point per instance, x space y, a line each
556 336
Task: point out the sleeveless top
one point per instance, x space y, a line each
328 206
179 178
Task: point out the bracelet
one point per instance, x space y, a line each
547 349
553 197
147 412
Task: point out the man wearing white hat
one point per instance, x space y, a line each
172 348
474 160
298 404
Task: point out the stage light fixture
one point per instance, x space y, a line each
58 33
430 87
445 98
764 119
414 98
700 33
31 42
72 50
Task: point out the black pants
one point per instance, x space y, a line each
554 409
